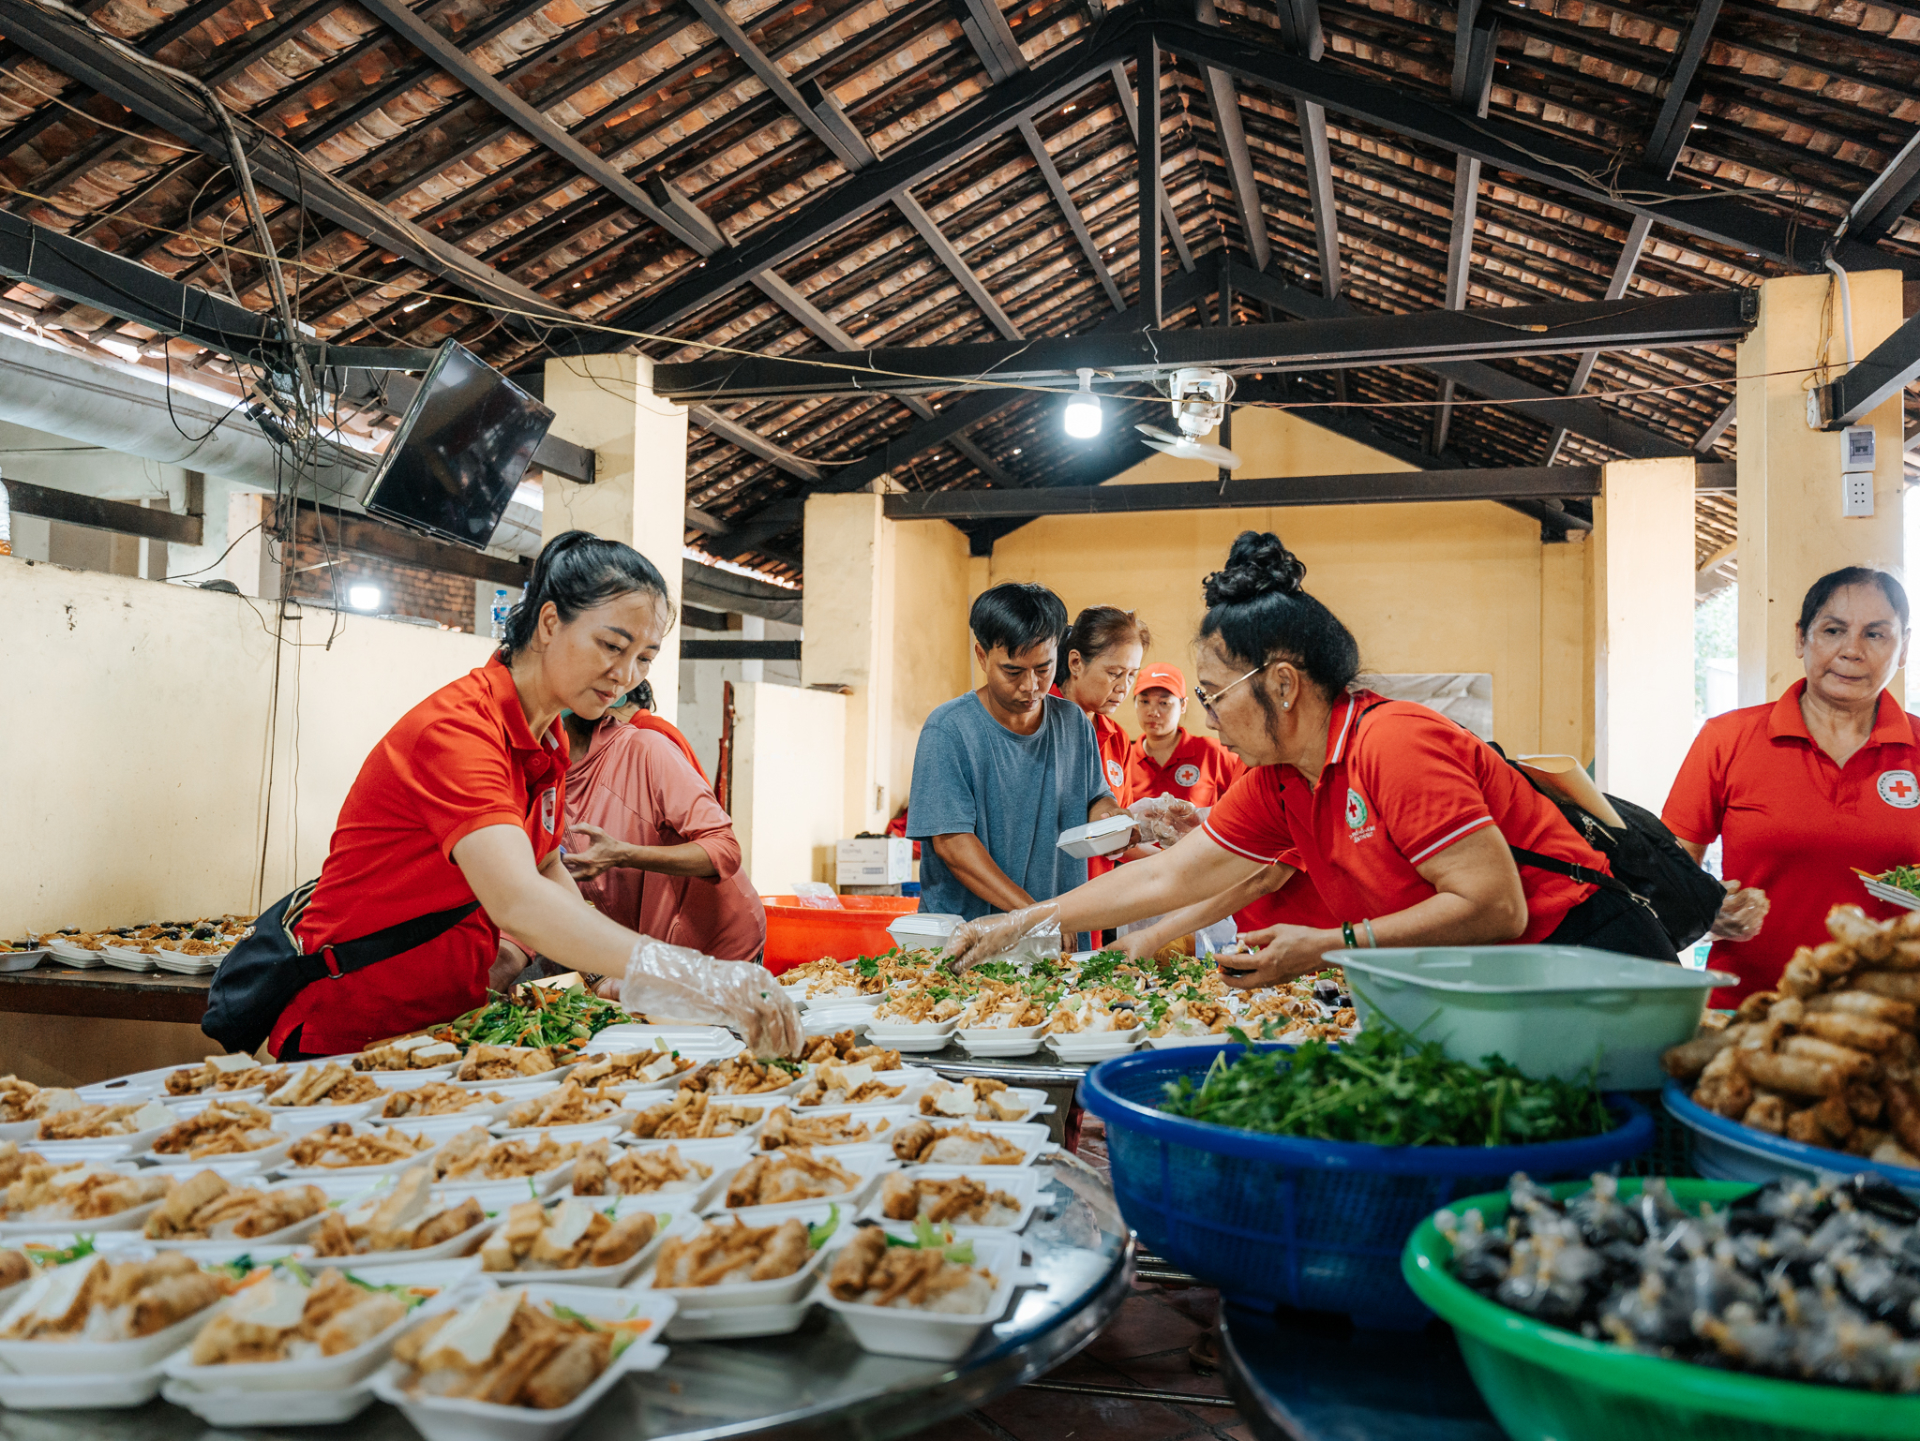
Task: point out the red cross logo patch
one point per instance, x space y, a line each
1115 775
548 801
1899 789
1187 775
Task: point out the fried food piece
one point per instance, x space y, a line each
335 1317
340 1146
1687 1060
742 1076
436 1098
635 1173
571 1235
474 1155
566 1105
208 1207
1903 1113
783 1128
1794 1075
793 1174
83 1191
921 1279
854 1262
726 1252
1867 939
1899 1014
221 1073
114 1301
226 1128
506 1063
1767 1113
957 1199
1843 1028
1894 985
329 1085
692 1116
923 1142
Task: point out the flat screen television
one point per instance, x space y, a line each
461 449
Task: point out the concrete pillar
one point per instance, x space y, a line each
1791 530
849 556
1642 568
639 494
1566 649
253 562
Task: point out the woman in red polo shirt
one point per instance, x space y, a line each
1802 790
1403 819
1099 657
463 803
1166 761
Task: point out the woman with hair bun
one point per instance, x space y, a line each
1805 788
1403 819
450 835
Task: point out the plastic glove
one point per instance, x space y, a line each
1164 819
1741 913
975 941
679 982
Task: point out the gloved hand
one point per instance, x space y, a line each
678 981
976 941
1741 913
1162 820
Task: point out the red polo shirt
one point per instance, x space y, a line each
462 759
1112 742
1794 823
1399 786
1199 770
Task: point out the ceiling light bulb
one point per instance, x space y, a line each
1083 410
364 597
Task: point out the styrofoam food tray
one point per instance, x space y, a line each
1032 1138
753 1295
137 1085
117 1390
261 1159
1097 838
1032 1097
348 1368
131 1219
92 1358
835 1019
95 1148
551 1078
920 1039
223 1247
23 960
752 1098
981 1047
1892 895
196 1102
440 1418
839 1000
866 1162
932 1335
968 1034
1020 1182
923 930
1173 1041
893 1117
422 1158
585 1132
327 1407
738 1322
498 1195
78 956
298 1120
700 1043
242 1168
725 1154
678 1223
125 958
1100 1045
914 1079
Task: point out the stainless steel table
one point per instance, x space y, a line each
816 1383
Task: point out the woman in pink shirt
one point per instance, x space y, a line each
663 858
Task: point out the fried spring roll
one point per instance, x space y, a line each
1895 985
1794 1075
1767 1113
1688 1059
1804 1127
1901 1014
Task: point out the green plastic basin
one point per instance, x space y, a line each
1546 1384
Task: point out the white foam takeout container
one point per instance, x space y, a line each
1097 838
616 1275
1032 1139
68 1359
725 1154
934 1335
759 1302
866 1162
422 1158
440 1418
872 1117
923 930
1020 1182
914 1080
1031 1097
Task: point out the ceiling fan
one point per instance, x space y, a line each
1199 396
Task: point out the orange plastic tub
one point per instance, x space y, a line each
797 934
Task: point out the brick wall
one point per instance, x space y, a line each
404 589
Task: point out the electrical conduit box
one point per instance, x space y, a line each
873 861
1856 470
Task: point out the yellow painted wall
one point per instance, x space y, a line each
931 649
1456 586
133 741
788 780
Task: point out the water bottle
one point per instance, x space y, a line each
500 609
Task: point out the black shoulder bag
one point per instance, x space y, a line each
260 977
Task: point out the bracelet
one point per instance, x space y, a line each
1371 942
1346 930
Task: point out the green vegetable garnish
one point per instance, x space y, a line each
926 1238
1386 1088
405 1293
567 1313
1904 878
817 1236
538 1016
82 1246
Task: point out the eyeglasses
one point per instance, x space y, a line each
1207 702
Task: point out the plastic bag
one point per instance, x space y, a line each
678 981
1162 820
817 894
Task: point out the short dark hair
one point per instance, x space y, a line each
1823 589
1096 629
1258 609
578 570
641 695
1016 616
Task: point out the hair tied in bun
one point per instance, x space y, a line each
1257 565
1259 611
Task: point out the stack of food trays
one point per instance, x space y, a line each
192 948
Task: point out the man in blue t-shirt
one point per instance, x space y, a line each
1000 772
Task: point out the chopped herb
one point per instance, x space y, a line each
817 1236
1903 878
82 1247
1385 1087
408 1294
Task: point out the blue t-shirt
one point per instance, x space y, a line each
1015 792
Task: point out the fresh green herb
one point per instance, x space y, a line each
1387 1088
294 1269
405 1293
1904 878
817 1236
538 1016
567 1313
926 1238
82 1247
532 1189
867 967
1101 969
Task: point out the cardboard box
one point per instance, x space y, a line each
874 861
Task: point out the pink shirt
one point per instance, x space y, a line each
637 787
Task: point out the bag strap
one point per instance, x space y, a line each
1583 874
346 957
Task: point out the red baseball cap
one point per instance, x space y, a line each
1160 677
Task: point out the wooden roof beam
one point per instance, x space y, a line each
1684 92
1076 222
1223 98
1617 284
